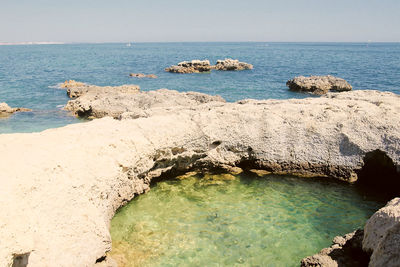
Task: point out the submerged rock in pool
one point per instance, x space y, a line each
318 85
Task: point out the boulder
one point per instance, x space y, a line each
232 65
141 75
194 66
6 110
318 85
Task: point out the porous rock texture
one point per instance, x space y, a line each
229 64
76 89
60 188
6 110
115 103
318 85
194 66
382 235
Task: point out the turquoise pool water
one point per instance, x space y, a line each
242 220
28 73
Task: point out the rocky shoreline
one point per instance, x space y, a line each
79 175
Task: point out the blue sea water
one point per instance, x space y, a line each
29 73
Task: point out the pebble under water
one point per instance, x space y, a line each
242 220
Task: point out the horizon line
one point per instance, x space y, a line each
139 42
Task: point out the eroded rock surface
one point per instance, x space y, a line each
60 188
115 103
194 66
77 89
229 64
6 110
382 235
318 85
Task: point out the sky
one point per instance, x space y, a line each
203 20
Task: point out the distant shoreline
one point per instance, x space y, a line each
31 43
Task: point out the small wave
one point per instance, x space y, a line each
57 86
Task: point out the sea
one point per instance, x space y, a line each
30 74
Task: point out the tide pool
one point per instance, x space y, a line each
243 220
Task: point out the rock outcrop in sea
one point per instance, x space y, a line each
318 85
232 65
58 196
196 66
6 110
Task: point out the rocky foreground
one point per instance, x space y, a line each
60 188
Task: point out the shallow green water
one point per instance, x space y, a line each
245 221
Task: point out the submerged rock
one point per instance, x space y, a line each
194 66
142 75
61 193
229 64
6 110
318 85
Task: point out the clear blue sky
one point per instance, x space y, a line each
202 20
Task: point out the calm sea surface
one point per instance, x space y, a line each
29 74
